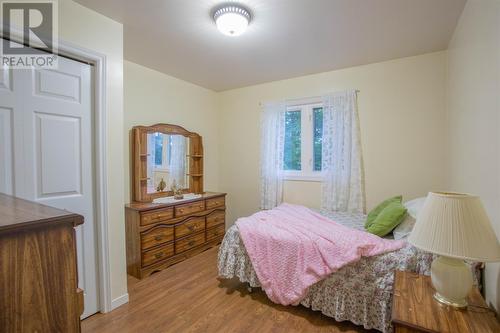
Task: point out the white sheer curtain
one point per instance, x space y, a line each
177 166
342 164
272 144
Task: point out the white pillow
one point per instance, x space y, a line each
404 228
414 206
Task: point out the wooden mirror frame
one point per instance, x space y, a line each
140 161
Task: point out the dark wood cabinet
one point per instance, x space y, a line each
38 268
159 235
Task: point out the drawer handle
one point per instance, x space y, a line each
158 238
191 227
191 243
158 255
181 210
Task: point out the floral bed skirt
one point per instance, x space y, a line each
360 292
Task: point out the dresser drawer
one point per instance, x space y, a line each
216 218
155 255
156 236
183 210
215 202
190 226
189 242
156 216
215 232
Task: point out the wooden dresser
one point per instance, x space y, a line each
159 235
415 310
38 268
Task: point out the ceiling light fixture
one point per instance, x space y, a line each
232 20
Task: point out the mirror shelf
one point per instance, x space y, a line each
171 199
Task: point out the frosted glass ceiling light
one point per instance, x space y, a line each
232 20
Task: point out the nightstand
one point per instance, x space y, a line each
415 310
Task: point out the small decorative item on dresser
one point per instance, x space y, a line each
415 310
177 191
161 185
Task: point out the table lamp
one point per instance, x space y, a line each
454 226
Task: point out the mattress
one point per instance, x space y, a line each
360 292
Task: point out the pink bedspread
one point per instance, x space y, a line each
292 247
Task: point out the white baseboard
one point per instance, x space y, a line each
119 301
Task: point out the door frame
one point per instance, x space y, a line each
100 132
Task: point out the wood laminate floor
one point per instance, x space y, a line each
188 297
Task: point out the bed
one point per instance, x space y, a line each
360 292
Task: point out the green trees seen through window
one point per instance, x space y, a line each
318 137
294 135
292 153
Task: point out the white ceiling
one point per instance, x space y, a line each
286 38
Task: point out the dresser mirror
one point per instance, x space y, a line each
166 156
167 161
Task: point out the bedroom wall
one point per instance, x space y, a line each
152 97
402 115
84 27
474 115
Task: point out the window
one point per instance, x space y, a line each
162 150
318 137
292 154
303 142
158 149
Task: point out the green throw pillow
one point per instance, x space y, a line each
372 215
388 219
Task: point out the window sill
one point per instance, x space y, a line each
303 177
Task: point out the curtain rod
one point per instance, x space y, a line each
304 100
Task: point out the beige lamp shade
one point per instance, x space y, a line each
455 225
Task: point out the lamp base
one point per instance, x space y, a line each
460 304
452 279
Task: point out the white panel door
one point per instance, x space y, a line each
46 138
7 104
6 181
